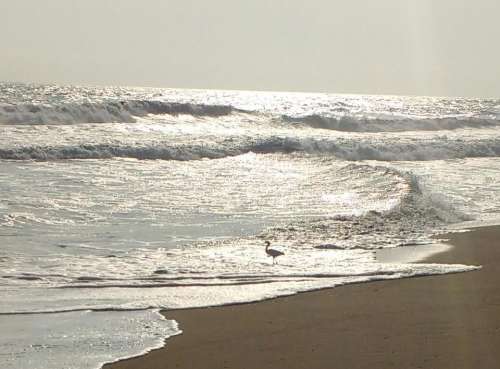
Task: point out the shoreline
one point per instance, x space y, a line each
441 321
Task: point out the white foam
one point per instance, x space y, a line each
81 339
188 140
122 111
348 123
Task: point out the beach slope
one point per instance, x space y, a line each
450 321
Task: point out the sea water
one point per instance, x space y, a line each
118 202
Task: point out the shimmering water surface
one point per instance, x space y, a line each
117 202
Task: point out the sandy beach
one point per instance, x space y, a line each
450 321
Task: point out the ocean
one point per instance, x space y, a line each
117 202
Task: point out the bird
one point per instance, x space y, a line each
272 252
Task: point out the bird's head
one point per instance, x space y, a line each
267 243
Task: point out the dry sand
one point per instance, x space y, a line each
436 322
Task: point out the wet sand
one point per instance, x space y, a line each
434 322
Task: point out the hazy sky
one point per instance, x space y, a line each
417 47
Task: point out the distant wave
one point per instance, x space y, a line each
342 148
102 112
362 124
126 111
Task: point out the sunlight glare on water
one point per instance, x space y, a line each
130 200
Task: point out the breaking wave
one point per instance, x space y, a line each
419 213
127 111
341 148
416 215
102 112
363 124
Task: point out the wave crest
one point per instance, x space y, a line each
346 149
102 112
418 214
364 124
126 111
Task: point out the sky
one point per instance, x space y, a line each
406 47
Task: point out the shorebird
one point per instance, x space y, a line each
272 252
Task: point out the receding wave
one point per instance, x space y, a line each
102 112
362 124
342 148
